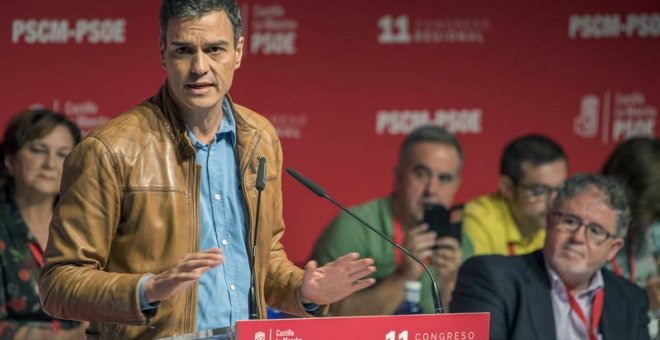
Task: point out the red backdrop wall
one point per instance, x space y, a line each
345 80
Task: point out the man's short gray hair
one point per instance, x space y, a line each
429 133
611 188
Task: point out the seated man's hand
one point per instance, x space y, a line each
419 241
447 258
336 280
182 275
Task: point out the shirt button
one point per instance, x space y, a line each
216 197
224 242
232 287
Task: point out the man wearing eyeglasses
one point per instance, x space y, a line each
562 291
512 220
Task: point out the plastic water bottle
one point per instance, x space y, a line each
273 313
413 297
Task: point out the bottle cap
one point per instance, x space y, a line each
413 285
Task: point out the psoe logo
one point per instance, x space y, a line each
401 122
618 116
61 31
586 123
612 26
273 31
260 336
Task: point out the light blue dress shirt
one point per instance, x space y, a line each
223 291
222 298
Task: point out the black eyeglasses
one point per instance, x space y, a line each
571 223
539 191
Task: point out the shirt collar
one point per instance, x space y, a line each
227 126
559 288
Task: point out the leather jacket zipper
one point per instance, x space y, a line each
248 210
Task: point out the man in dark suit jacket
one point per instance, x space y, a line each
543 295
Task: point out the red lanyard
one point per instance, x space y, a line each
512 251
631 261
37 253
398 238
596 312
619 272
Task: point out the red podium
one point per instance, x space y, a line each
468 326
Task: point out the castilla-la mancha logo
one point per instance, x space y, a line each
586 124
85 114
272 31
615 117
260 336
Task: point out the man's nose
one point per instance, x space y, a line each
580 235
433 186
199 64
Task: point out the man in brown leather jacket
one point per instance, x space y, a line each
126 245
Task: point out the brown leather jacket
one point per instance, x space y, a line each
129 205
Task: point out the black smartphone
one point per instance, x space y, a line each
439 220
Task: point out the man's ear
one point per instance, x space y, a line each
162 54
506 187
239 52
616 246
9 164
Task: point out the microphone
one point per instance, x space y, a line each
260 185
261 175
315 188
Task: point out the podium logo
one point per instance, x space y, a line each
260 336
451 335
392 335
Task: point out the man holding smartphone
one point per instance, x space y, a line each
427 177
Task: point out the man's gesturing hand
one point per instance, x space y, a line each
337 279
183 274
